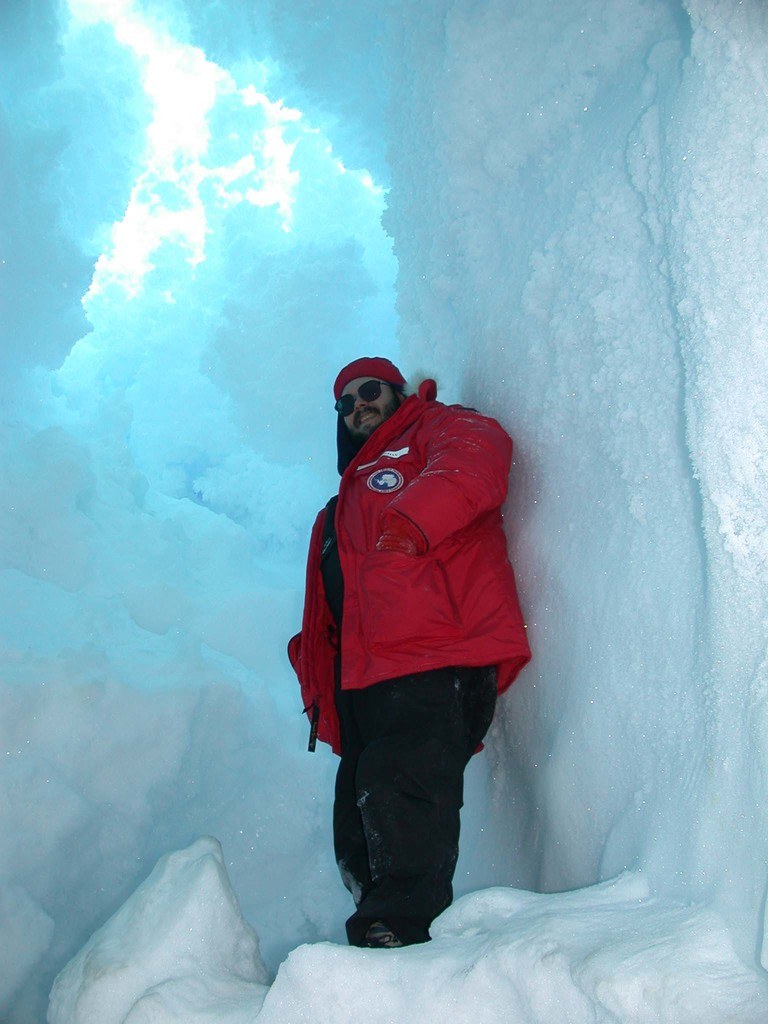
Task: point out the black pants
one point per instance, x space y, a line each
399 789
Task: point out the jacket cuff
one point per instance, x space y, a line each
400 525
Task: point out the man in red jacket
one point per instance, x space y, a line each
411 627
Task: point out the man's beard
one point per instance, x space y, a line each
361 431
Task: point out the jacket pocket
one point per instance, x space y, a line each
405 600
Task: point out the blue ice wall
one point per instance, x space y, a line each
587 262
577 207
188 255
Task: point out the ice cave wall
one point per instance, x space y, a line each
577 203
145 601
579 208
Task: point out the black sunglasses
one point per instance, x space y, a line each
369 392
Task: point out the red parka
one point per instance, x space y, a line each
445 469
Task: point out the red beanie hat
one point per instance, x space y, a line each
368 366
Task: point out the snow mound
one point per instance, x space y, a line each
601 955
178 949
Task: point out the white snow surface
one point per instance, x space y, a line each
595 956
178 949
576 197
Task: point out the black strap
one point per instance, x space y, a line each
330 564
333 584
313 722
329 528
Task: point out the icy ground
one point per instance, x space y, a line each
178 952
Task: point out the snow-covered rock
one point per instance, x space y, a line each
177 950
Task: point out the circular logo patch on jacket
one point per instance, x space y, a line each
386 480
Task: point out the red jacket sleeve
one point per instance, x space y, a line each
468 458
311 652
294 652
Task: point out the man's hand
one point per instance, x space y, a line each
402 536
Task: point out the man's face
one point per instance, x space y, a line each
367 416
